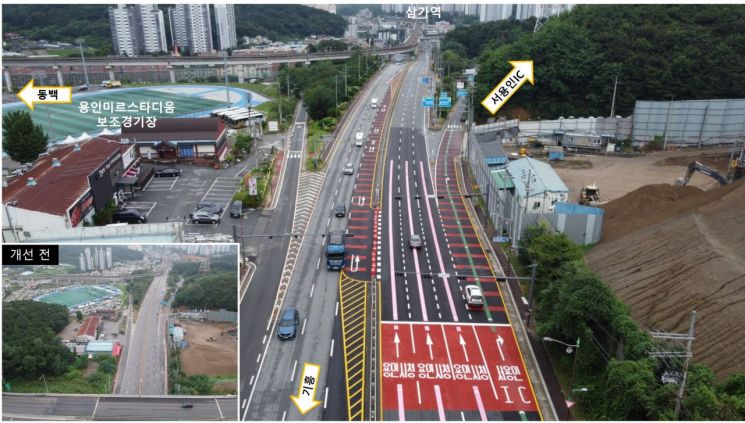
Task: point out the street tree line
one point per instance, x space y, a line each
622 381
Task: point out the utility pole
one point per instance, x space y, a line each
667 125
687 355
613 103
82 56
359 65
225 71
336 90
346 92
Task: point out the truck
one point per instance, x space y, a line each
112 84
374 103
335 250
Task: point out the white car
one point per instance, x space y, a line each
474 297
359 139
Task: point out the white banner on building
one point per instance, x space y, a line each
273 126
252 186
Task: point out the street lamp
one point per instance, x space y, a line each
569 350
82 56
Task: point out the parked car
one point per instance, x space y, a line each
415 241
349 169
340 210
288 323
474 297
236 209
214 208
18 172
167 172
126 215
204 216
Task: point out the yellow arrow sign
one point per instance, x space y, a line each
522 70
44 94
305 398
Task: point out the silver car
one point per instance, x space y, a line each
415 241
349 169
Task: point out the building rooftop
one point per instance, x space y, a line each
57 188
89 326
100 346
536 176
177 129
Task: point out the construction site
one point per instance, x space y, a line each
673 241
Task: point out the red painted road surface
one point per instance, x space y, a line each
452 367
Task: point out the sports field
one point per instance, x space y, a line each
73 297
63 120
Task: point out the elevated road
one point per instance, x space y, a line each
106 407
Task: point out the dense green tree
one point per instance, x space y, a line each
79 316
30 346
23 140
243 143
320 102
215 290
550 251
627 391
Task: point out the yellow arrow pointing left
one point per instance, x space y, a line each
44 94
305 398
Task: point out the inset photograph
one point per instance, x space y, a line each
122 332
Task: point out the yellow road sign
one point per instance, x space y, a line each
522 70
305 398
44 94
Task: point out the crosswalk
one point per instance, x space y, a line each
454 126
294 154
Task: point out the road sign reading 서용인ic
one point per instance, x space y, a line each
521 71
428 102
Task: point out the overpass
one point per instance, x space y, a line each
169 69
115 407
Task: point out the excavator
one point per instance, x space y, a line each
590 196
737 172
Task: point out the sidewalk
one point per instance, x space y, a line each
549 384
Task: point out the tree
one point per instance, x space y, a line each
23 140
628 388
320 102
243 143
550 251
79 316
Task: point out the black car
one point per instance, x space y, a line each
340 210
187 405
212 207
126 215
167 172
236 209
204 216
288 323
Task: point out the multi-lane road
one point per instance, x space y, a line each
392 333
143 368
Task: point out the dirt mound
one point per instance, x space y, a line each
718 161
672 250
652 204
218 357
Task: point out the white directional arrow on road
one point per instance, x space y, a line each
500 342
396 341
429 344
356 261
462 343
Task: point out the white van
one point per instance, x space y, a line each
359 139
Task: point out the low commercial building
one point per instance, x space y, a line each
171 140
537 185
88 330
95 348
65 188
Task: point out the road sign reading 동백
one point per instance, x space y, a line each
428 102
252 186
445 102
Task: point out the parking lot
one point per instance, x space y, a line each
166 199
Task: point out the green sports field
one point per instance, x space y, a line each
76 296
61 120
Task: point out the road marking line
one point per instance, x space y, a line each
326 397
418 393
258 358
292 375
479 403
219 409
440 407
312 288
251 382
331 353
243 404
263 341
401 409
302 332
394 303
483 357
284 414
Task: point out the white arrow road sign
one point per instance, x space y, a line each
305 398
